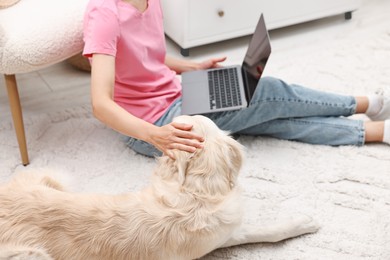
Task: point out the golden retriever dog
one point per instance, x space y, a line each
191 207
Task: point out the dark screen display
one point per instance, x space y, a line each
256 57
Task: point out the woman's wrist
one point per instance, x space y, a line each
148 134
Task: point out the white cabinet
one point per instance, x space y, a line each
191 23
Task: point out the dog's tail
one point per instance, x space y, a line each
44 177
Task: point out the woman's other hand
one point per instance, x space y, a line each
211 63
181 65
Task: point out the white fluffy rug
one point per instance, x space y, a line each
346 189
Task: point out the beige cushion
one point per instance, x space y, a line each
37 33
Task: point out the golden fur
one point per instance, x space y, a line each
188 210
191 207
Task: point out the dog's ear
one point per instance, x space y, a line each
233 157
237 154
181 162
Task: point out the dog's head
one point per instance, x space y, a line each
212 170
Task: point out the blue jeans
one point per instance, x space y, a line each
283 111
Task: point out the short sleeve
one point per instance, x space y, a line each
101 32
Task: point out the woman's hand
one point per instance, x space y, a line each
176 136
180 65
211 63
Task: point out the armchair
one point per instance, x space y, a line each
33 35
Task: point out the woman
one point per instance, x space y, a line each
134 91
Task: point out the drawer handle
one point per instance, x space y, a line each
221 13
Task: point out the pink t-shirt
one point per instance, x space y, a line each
144 85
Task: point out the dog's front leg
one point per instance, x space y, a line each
296 226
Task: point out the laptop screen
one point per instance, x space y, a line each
256 57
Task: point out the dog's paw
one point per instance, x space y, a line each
22 253
304 224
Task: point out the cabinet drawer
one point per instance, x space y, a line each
193 23
218 17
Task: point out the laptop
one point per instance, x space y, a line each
230 87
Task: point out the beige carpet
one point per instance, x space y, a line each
346 189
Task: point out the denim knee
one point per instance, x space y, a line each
143 148
266 82
270 88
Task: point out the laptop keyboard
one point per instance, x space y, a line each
223 88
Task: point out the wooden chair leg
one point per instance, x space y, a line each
17 116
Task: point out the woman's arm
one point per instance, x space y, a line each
165 138
181 65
